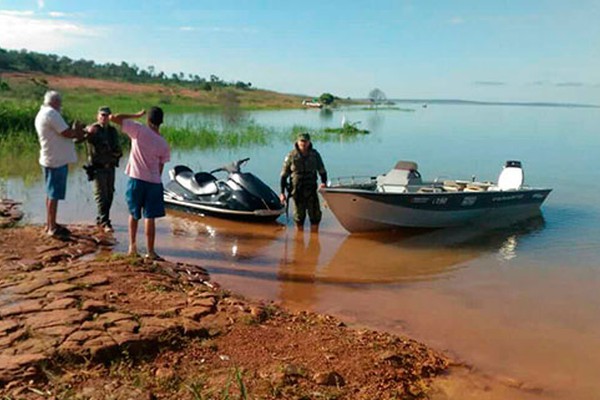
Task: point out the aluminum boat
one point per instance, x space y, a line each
401 199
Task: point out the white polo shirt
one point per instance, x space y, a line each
56 150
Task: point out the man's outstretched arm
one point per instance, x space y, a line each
119 118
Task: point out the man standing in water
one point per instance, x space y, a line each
57 150
104 152
149 153
302 164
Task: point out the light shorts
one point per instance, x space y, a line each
56 182
145 196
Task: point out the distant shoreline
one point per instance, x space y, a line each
493 103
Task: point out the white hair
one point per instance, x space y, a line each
51 96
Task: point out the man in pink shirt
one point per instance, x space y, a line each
148 155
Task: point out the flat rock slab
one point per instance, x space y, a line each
64 304
10 213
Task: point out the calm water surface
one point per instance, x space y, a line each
520 302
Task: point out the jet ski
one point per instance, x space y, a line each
240 195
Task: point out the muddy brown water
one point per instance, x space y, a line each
443 287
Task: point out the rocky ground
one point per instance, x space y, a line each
79 322
10 213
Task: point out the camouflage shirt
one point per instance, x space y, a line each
104 149
303 171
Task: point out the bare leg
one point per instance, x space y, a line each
150 228
133 226
47 214
51 209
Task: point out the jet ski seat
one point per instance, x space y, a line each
201 183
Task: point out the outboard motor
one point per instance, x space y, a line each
511 177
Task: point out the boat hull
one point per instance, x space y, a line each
364 210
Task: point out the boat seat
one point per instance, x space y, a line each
511 177
391 188
404 173
475 188
478 187
453 186
201 183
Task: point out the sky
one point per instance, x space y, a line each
487 50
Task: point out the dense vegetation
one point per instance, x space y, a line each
52 64
25 77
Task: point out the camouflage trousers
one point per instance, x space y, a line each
307 203
104 189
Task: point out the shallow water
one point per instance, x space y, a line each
519 302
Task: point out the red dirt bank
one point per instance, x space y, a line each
78 322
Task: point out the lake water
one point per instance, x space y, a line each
521 302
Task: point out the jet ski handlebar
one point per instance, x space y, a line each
232 167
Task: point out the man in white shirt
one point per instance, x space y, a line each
56 152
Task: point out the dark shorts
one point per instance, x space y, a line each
56 182
146 196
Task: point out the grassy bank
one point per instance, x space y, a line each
211 137
81 98
19 152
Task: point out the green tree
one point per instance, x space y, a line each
326 98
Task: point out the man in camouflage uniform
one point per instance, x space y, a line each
302 164
104 152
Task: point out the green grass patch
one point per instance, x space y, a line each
19 153
322 136
347 129
210 137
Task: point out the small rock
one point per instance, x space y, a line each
392 357
164 373
95 306
330 378
259 313
294 370
88 392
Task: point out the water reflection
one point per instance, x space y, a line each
325 114
375 120
224 242
299 266
302 260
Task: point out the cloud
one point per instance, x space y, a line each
12 13
489 83
56 14
41 4
218 29
31 31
